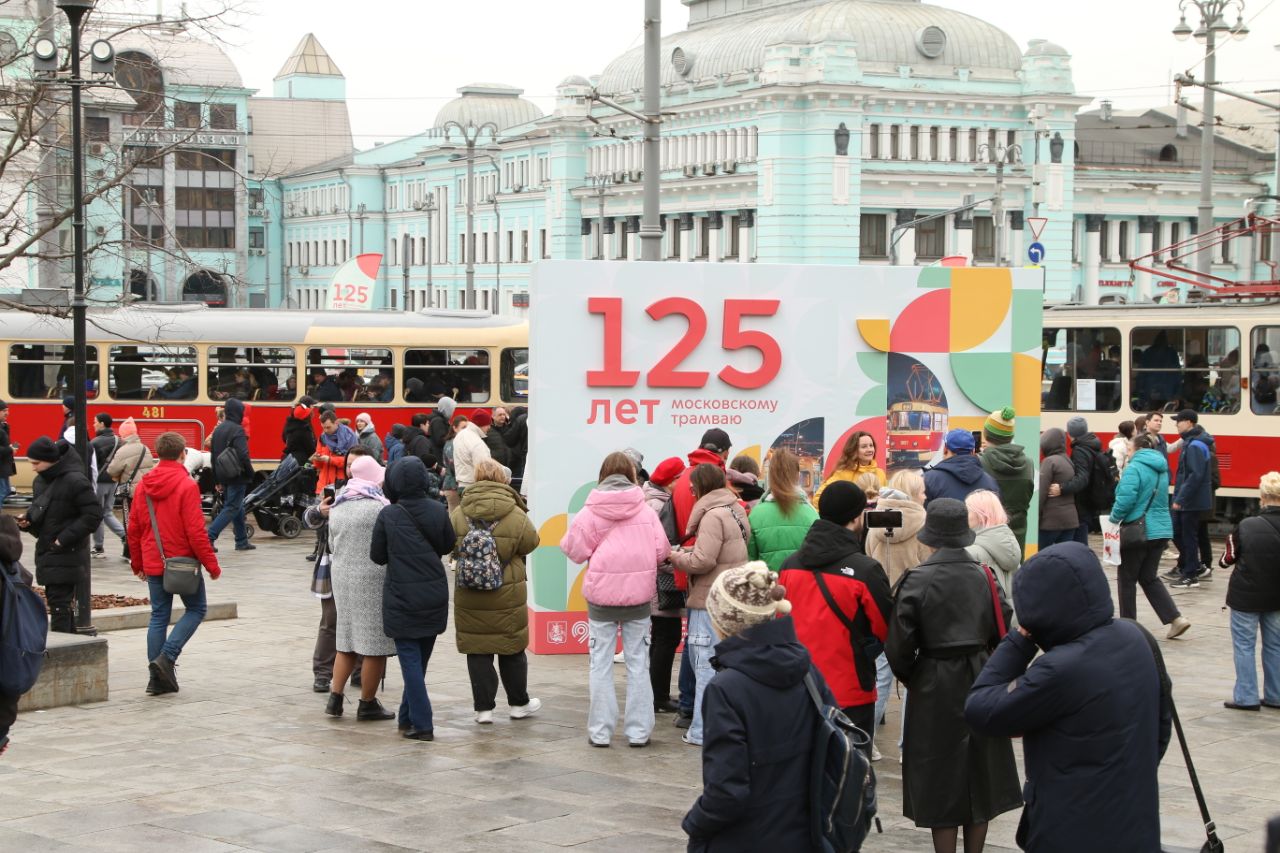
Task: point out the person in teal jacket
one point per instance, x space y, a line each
780 522
1143 492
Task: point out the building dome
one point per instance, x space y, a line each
483 103
888 34
1041 47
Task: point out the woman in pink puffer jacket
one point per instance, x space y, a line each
624 541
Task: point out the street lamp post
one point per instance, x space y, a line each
1000 156
266 256
471 134
362 216
602 182
429 205
1213 23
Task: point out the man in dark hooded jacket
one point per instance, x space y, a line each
1008 465
1084 447
1094 718
516 435
438 426
959 473
299 435
1192 495
230 436
10 555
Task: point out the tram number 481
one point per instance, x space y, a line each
666 373
153 411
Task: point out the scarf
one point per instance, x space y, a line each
341 441
358 490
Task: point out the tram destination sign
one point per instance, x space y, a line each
645 356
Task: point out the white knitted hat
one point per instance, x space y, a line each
745 596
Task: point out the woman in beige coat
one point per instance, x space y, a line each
901 551
720 526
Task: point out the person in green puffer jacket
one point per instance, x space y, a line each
496 622
780 522
1012 470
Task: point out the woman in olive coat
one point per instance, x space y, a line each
496 622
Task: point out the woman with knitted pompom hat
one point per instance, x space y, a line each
756 705
1011 468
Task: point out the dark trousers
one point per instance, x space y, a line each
415 706
60 597
662 655
326 649
1202 539
1082 533
688 683
1140 566
8 713
1049 538
864 717
1186 528
514 670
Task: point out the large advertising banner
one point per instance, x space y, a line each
647 356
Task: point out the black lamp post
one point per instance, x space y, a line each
46 68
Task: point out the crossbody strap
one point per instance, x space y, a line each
995 600
129 481
814 693
155 528
835 608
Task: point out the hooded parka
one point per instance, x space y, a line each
776 535
63 513
903 551
495 622
409 537
298 435
1144 490
230 434
1091 713
1056 513
957 477
1013 472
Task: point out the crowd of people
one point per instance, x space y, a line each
773 584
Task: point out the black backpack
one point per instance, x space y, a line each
24 628
1104 474
842 786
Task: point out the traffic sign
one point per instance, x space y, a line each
1036 224
1035 252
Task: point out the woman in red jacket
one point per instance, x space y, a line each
175 500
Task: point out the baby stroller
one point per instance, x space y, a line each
278 503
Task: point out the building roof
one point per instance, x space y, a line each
488 102
293 134
1148 137
185 59
311 59
886 35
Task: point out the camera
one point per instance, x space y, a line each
889 519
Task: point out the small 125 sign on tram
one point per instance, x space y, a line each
666 372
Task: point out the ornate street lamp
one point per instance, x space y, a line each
471 133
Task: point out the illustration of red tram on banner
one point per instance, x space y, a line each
917 424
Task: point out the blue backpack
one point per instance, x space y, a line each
842 785
24 627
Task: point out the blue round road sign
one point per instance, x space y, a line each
1036 252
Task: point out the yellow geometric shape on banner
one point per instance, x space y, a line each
576 599
876 333
969 422
753 452
553 530
980 300
1026 384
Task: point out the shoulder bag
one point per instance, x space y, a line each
1001 627
181 574
128 482
1134 533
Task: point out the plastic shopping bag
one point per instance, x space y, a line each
1110 541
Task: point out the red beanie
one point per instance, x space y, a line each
667 471
481 417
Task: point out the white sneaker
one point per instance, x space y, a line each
519 712
875 753
619 658
484 718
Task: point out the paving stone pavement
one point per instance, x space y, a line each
243 757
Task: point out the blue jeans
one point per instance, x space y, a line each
884 683
1081 533
415 705
1049 538
1186 528
1244 638
5 489
687 683
232 513
162 609
602 714
701 643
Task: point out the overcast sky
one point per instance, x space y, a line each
403 59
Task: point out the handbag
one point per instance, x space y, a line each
181 574
1001 627
1135 532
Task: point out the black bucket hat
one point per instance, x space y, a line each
946 524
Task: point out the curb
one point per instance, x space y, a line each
125 618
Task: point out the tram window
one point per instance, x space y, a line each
1080 370
142 372
515 374
337 375
1264 376
462 374
253 373
1177 368
43 371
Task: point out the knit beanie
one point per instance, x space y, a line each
999 426
636 457
746 596
667 471
43 450
1077 427
69 403
841 502
482 418
128 428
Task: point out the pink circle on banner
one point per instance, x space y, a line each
879 429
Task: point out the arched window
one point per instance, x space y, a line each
140 76
142 286
207 287
1169 154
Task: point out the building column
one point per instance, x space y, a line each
633 234
907 244
746 219
1147 226
685 224
964 235
1017 243
944 144
1093 224
608 228
1113 241
926 140
714 230
903 135
588 244
963 155
885 135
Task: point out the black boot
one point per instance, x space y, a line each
373 710
164 671
334 708
153 687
